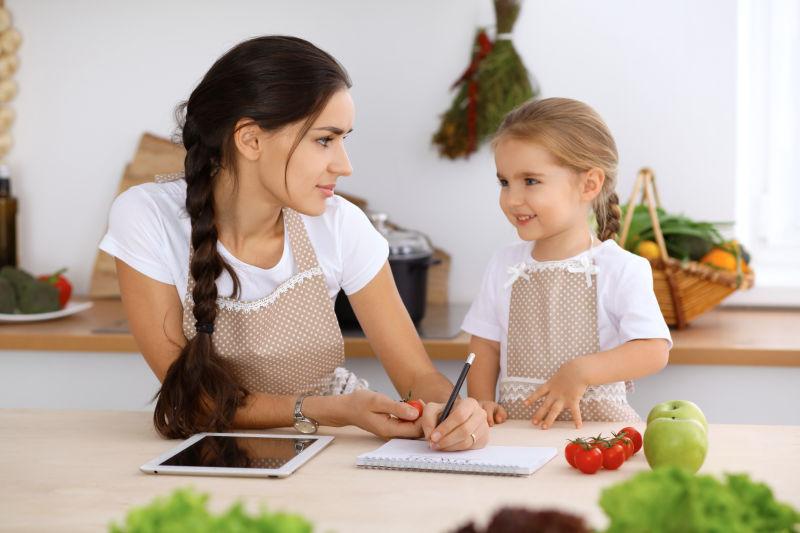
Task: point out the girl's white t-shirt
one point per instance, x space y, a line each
149 229
627 308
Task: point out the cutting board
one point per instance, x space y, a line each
154 155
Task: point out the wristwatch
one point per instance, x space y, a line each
302 423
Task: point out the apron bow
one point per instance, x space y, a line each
587 268
515 272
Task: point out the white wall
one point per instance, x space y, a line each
94 75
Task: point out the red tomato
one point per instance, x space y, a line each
589 461
634 435
613 457
627 445
417 404
570 450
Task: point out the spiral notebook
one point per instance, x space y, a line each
403 454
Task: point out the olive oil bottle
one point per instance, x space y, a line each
8 220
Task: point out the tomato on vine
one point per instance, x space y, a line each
634 435
589 460
613 457
571 448
627 444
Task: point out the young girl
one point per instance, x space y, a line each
565 318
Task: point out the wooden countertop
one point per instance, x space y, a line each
725 336
78 471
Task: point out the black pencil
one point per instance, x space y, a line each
456 389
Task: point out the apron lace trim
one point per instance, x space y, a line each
582 266
255 305
344 381
512 389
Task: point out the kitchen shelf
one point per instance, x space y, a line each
725 336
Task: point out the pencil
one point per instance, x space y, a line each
456 388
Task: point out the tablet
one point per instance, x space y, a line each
238 454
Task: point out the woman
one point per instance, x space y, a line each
254 216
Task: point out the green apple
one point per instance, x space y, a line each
678 409
680 442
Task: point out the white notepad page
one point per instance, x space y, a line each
416 455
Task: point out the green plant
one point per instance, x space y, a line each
186 510
671 500
685 238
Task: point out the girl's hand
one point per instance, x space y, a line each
495 413
466 419
564 390
381 415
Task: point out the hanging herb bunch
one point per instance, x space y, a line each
494 83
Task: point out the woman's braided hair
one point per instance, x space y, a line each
273 81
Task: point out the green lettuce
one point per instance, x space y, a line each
672 500
186 510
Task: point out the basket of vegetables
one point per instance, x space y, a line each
694 267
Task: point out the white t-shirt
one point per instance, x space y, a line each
149 229
627 308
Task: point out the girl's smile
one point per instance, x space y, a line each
545 200
537 194
521 220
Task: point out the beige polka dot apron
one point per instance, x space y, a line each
288 342
552 320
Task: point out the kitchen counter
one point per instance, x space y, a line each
725 336
79 470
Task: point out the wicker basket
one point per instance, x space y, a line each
684 289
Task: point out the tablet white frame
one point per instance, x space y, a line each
155 467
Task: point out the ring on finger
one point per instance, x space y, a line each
474 438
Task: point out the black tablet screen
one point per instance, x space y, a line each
240 452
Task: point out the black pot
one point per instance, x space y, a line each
410 274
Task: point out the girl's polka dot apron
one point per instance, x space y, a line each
553 319
288 342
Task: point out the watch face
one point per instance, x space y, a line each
305 426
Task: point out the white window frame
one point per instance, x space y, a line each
768 143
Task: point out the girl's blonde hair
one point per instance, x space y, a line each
578 138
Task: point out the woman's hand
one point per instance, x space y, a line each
495 413
564 390
465 428
381 415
